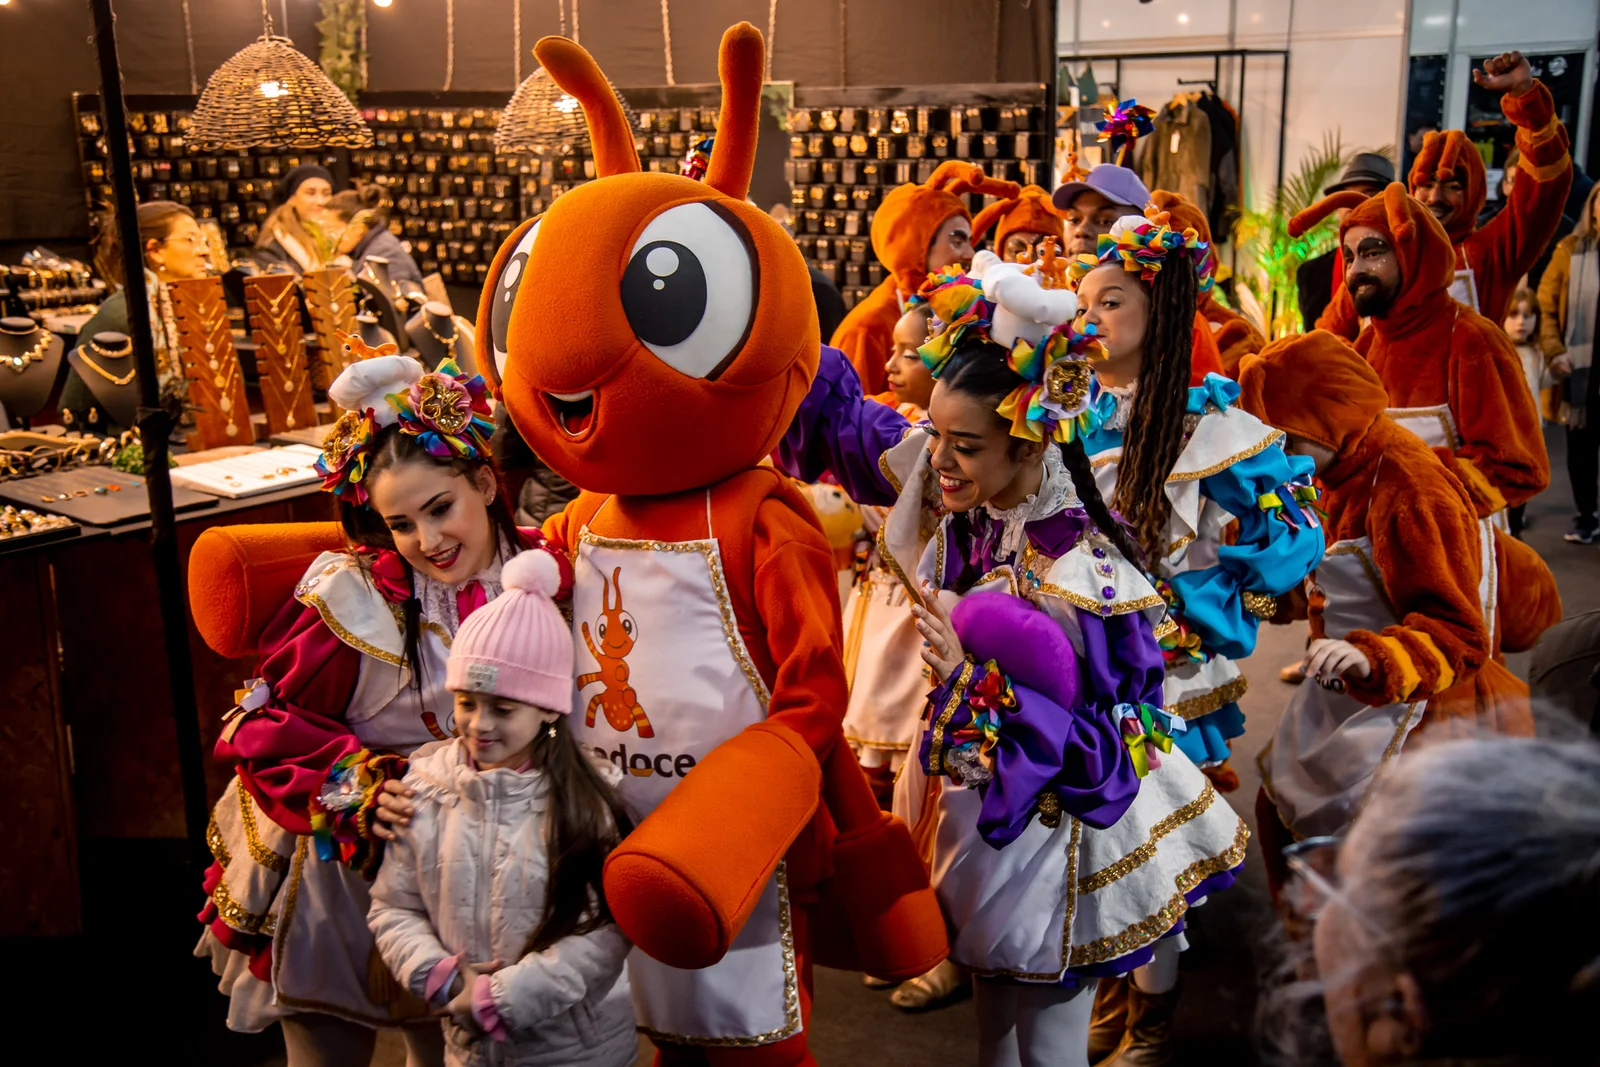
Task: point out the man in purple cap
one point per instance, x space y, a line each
1091 205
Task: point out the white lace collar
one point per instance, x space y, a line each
1124 397
1055 494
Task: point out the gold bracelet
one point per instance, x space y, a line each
1261 605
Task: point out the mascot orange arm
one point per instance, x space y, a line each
661 407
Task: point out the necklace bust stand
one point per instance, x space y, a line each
105 363
379 297
30 366
437 335
372 334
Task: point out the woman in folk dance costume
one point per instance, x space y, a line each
1067 834
352 680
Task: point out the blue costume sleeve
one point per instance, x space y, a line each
1278 544
839 430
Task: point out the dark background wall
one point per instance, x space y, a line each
46 55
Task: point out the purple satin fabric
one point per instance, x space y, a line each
1062 736
838 430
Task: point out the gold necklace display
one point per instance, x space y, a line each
448 342
20 363
88 346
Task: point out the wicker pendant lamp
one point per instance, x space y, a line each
270 95
542 119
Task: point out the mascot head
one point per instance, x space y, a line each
650 333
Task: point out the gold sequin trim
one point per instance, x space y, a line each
258 852
1204 704
888 474
1261 605
232 912
1089 604
219 849
1164 627
1189 476
894 565
791 988
1146 852
1152 927
313 600
1181 543
713 558
957 693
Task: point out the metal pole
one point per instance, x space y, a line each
155 428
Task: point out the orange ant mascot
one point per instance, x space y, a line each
685 344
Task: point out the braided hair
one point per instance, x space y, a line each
978 369
1159 404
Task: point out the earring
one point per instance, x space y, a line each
550 729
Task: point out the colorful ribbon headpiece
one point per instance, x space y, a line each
1144 245
448 412
697 159
1127 122
1011 306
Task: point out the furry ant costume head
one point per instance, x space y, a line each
650 333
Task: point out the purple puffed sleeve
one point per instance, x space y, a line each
839 430
1061 735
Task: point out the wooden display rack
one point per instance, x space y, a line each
281 359
205 348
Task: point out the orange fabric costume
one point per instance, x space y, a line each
903 228
1454 378
1030 211
1387 486
683 363
1498 255
1233 334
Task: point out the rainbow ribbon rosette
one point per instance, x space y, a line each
1293 502
1144 248
1147 731
956 301
343 463
969 759
1179 644
447 411
1053 402
1127 122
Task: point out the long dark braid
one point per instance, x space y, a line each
1155 435
978 368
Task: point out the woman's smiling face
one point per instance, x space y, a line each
976 457
438 517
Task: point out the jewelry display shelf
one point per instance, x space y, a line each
849 147
73 494
332 301
282 361
205 342
23 541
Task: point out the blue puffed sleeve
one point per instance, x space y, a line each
1277 546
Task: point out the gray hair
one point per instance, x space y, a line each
1479 862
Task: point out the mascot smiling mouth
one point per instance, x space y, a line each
574 411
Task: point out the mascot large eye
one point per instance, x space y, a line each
505 298
689 289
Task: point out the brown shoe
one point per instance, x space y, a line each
1148 1040
1110 1019
1223 776
1294 673
932 990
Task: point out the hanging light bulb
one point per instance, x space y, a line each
273 89
379 3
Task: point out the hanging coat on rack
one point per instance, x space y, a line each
1177 157
1223 210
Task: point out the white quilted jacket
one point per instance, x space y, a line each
468 876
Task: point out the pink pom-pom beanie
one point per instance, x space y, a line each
517 646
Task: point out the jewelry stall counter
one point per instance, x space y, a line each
88 714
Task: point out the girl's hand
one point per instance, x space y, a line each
1561 367
942 648
394 809
1328 661
460 1007
1507 72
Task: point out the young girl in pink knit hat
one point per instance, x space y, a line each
489 903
